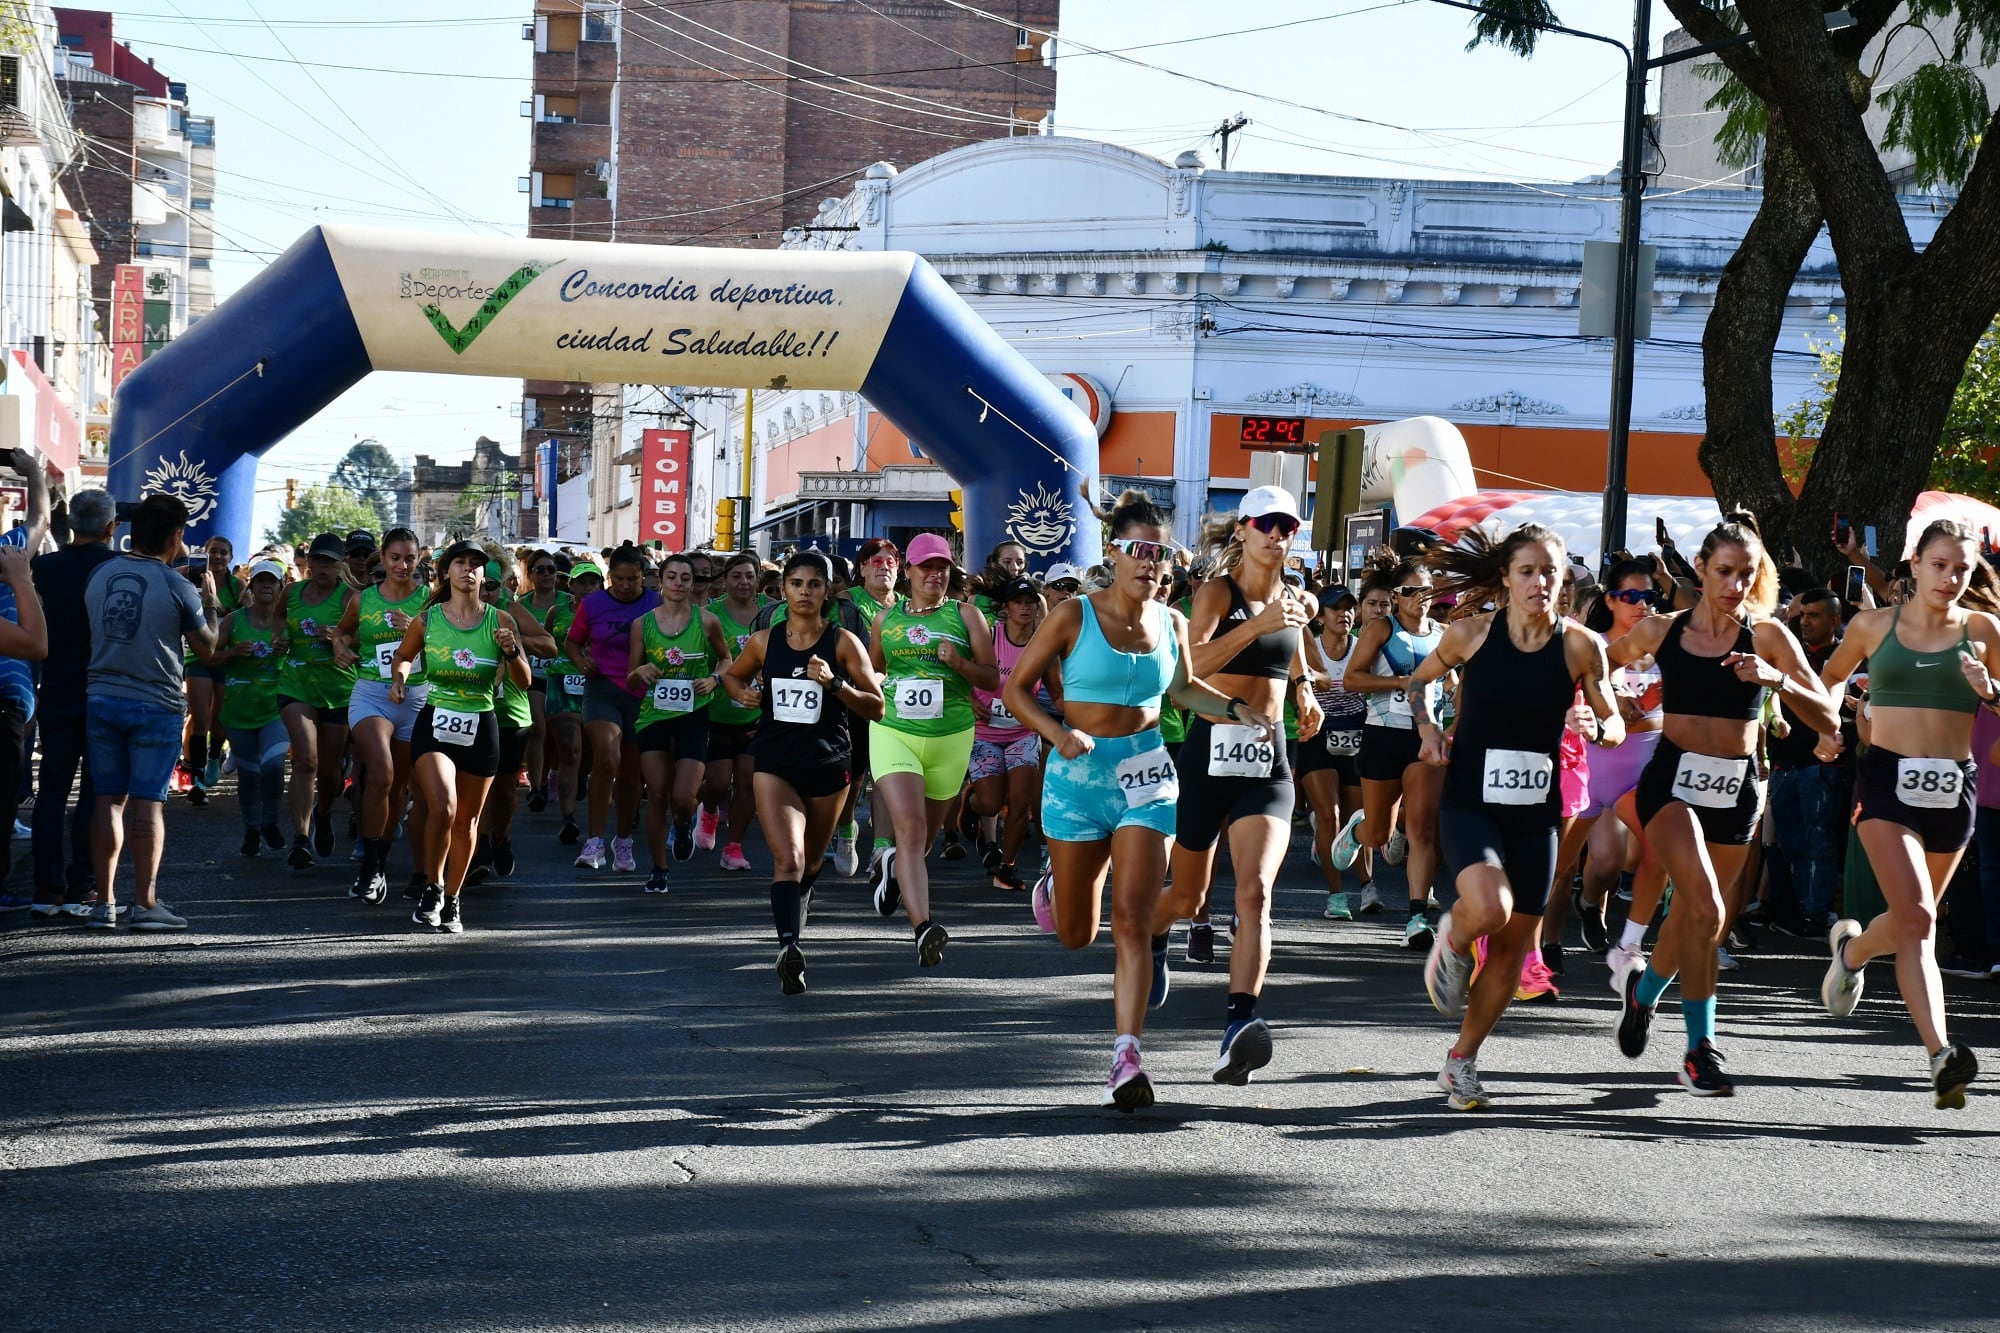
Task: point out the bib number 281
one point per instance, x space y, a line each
454 728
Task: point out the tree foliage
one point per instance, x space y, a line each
330 508
370 471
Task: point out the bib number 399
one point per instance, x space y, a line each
796 701
1516 777
673 696
453 728
1238 752
920 700
1929 784
1710 782
1148 777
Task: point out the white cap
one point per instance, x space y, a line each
1268 500
271 567
1060 571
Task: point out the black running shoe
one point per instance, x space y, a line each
503 857
449 921
415 888
538 803
301 857
1006 877
1246 1048
1702 1074
322 833
1592 920
359 888
569 833
1635 1020
882 874
253 843
1952 1071
1162 979
274 837
954 848
791 970
430 906
197 795
1552 957
930 945
1201 942
990 856
376 892
683 841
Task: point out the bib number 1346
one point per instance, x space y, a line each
1709 781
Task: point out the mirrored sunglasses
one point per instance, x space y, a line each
1142 550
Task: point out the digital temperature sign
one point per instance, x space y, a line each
1273 430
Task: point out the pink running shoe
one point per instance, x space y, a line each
1538 984
1129 1088
705 821
621 856
733 857
1041 899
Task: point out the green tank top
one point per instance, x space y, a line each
250 684
377 641
563 670
926 698
309 673
1902 677
682 658
735 633
539 666
463 665
864 602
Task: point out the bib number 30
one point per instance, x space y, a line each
453 728
920 700
1516 777
1238 752
1710 782
1929 784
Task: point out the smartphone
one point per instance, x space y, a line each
1843 531
1660 533
1868 540
1857 581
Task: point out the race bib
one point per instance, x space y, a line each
573 685
539 665
385 658
1148 777
1517 777
920 700
1236 752
672 695
998 716
1399 703
1343 744
1709 782
1929 784
453 728
797 701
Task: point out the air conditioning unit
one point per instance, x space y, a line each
604 168
527 32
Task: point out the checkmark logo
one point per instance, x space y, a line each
457 338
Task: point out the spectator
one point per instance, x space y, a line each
23 639
142 608
63 885
1809 798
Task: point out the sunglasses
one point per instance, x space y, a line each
1416 590
1282 524
1065 585
489 586
543 569
1630 596
1142 551
883 562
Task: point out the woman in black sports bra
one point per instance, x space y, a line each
1700 796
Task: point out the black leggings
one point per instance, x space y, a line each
1208 802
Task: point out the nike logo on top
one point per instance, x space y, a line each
1922 665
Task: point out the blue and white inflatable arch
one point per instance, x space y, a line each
344 301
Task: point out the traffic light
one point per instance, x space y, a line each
725 523
291 492
957 510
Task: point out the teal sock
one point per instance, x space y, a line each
1652 986
1699 1015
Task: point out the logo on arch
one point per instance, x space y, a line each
1041 520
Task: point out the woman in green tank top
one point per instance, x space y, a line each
468 648
731 769
931 652
201 735
514 705
542 600
678 653
313 688
252 646
565 696
372 628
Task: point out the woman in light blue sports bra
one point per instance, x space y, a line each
1110 790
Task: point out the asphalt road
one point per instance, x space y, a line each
594 1109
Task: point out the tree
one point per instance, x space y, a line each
1914 319
371 472
321 509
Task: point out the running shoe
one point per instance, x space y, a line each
1397 848
622 859
413 889
253 843
1447 973
229 762
1538 984
1371 901
197 794
954 846
1162 979
538 803
159 916
791 970
1840 991
1417 933
1460 1078
1129 1089
1635 1020
274 837
683 839
592 855
211 776
569 832
1952 1071
429 906
322 833
1200 942
1345 845
1041 901
1993 973
301 857
1592 920
930 944
449 919
846 860
882 871
1246 1048
1725 961
104 916
733 857
991 856
1958 965
1624 886
376 891
503 857
1701 1072
1336 908
1622 960
1552 957
1008 878
705 821
657 881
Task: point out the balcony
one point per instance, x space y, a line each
153 127
596 62
555 71
568 145
149 204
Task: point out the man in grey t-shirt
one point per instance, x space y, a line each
142 608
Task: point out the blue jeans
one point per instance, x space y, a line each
1809 811
133 747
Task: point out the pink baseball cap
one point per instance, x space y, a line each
926 547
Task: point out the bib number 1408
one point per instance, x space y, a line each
1238 752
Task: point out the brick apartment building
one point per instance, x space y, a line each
725 124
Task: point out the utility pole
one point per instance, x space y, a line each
1228 127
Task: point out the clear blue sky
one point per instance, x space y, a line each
423 130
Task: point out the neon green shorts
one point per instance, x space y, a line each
940 760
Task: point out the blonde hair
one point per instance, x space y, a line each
1739 528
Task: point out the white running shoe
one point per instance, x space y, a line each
1397 849
1447 973
1371 901
592 855
1460 1078
622 859
1840 991
845 859
1622 960
1345 846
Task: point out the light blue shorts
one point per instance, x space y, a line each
1085 800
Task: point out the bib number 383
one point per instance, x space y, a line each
1710 782
673 696
1148 777
920 700
796 701
1516 777
454 728
1238 752
1929 784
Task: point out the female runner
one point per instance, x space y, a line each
313 689
932 652
1932 662
1392 771
1700 796
494 850
805 676
1247 641
677 655
565 697
879 564
1006 768
1326 765
202 736
1499 819
1110 791
600 638
468 648
251 649
543 600
372 627
730 767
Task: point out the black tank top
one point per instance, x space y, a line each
1696 686
1511 708
1269 656
784 735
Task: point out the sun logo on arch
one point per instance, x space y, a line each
187 480
1041 520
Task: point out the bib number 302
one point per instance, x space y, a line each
454 728
1238 752
1148 777
1516 777
796 701
1929 784
1709 781
920 700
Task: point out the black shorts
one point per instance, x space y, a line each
857 746
1316 756
687 737
513 748
1733 825
729 740
1387 751
1208 802
332 717
1882 790
481 759
810 783
1522 845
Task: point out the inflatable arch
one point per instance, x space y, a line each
344 301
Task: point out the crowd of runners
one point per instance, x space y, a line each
1484 708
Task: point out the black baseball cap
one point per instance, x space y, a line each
328 544
360 542
1014 590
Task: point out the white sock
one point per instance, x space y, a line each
1633 934
1125 1039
